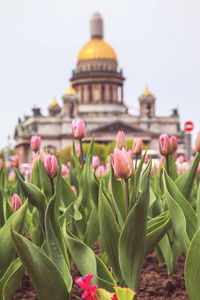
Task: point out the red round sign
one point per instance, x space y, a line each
189 126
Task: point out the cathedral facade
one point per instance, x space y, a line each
96 96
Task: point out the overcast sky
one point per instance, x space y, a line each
156 42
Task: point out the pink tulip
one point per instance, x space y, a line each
198 169
74 190
78 129
146 159
51 165
22 170
89 291
16 202
35 142
101 171
1 163
165 145
8 165
181 159
122 164
11 176
137 146
15 161
130 152
174 143
69 164
95 162
65 171
197 142
121 140
78 151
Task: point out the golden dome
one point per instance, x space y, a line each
54 102
97 49
146 92
70 91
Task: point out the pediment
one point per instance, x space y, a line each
114 127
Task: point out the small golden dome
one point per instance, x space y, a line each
70 91
54 102
97 49
147 92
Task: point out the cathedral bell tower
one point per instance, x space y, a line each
147 104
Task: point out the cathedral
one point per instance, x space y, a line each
95 95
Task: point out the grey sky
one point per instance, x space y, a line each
157 43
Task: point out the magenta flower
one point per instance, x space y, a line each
197 142
78 129
51 165
121 140
16 202
137 146
122 164
15 161
35 142
114 297
165 145
89 291
174 143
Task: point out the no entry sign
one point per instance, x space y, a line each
189 126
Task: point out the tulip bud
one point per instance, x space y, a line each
174 143
65 171
121 140
95 162
74 190
165 145
181 159
16 202
35 143
197 142
51 165
137 146
9 165
11 176
146 159
78 129
122 164
78 151
15 161
130 152
42 156
1 163
101 171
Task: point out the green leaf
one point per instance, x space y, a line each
110 234
190 215
2 220
46 278
73 180
55 242
13 281
93 183
7 249
192 268
178 219
58 182
35 178
167 253
92 231
78 167
155 233
67 194
124 293
35 230
185 181
133 236
71 212
45 181
87 262
198 205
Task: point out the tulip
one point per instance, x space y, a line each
9 165
174 143
65 171
146 159
78 129
16 202
95 162
35 143
198 169
15 161
121 140
1 163
101 171
78 151
51 165
165 145
22 170
181 159
197 142
11 176
130 152
137 146
122 164
89 291
74 190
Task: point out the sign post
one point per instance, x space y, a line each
189 126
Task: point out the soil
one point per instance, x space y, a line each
154 284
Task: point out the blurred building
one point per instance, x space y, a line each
96 96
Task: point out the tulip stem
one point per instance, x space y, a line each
136 159
127 196
81 149
51 179
167 164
